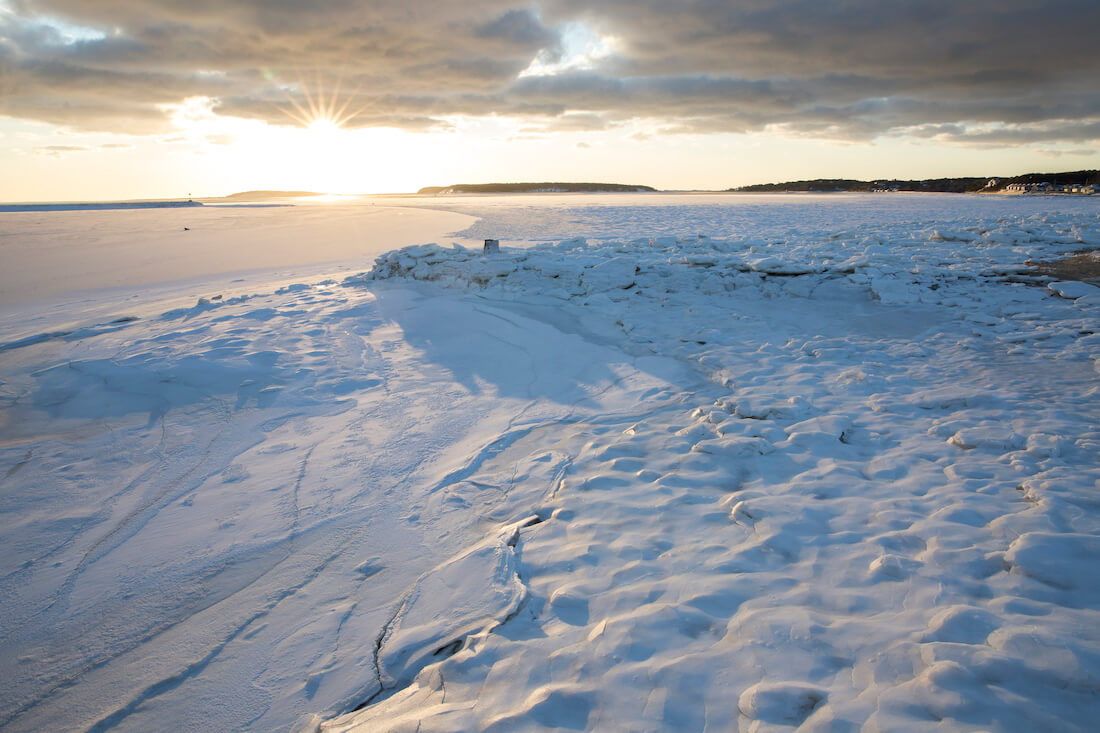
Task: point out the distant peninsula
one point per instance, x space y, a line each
263 195
1053 182
535 188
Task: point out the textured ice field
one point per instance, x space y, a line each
786 218
833 464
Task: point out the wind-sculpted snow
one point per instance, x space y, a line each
875 513
841 478
213 515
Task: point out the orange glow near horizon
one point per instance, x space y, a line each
319 146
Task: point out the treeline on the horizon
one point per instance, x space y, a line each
936 185
535 188
271 194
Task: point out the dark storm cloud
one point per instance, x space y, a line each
978 72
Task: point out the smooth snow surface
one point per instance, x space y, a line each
47 255
837 471
116 206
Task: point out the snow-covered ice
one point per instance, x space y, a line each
827 464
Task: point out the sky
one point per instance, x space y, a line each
119 99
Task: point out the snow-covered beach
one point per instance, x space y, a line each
664 463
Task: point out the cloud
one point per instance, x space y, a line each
571 122
983 72
519 27
1000 135
1076 152
57 151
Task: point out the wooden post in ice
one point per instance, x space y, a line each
491 246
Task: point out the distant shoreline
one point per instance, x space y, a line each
1071 182
98 206
271 199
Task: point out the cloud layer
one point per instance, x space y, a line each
981 72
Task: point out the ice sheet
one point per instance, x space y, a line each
53 255
840 477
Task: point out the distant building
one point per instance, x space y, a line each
1046 187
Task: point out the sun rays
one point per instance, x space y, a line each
321 110
324 142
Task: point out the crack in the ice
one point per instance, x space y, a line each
340 627
492 449
558 482
512 480
455 645
377 653
294 494
17 466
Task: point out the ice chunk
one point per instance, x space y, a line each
1073 289
615 273
774 266
989 438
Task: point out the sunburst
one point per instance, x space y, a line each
324 112
317 144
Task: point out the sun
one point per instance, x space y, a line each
323 127
323 111
321 145
331 147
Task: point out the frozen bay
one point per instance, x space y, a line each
731 462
